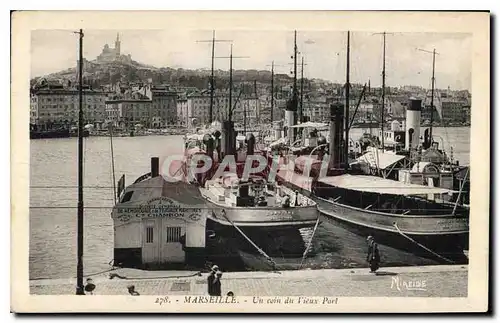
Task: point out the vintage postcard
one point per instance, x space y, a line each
205 161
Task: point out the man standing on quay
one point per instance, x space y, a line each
373 256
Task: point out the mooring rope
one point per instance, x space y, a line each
249 240
422 246
309 244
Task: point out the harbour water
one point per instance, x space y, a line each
53 200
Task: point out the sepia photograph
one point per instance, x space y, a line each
250 162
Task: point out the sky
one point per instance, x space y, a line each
324 53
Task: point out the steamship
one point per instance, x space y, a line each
258 213
239 200
407 216
404 153
411 217
408 159
259 218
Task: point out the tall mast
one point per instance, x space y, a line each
230 84
301 111
256 100
433 81
79 265
383 96
432 91
346 117
212 77
245 117
212 89
230 112
272 91
295 70
294 94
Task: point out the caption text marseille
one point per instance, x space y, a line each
263 300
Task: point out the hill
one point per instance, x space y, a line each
99 74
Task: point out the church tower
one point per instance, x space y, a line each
117 45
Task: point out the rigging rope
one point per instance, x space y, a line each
420 245
115 197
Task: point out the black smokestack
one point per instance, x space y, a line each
336 133
250 140
209 142
228 138
155 166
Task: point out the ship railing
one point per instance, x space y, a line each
143 177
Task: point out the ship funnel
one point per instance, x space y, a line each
250 141
427 141
209 142
228 138
277 126
155 166
336 129
217 137
290 119
413 113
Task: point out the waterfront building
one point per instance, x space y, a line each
467 112
198 106
182 110
163 106
317 107
436 110
33 108
248 106
453 111
265 109
53 104
129 111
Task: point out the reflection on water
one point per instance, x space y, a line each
53 197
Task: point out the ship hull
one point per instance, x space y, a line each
85 133
443 247
443 238
277 242
262 231
50 134
257 217
365 125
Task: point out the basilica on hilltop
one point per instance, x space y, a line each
109 55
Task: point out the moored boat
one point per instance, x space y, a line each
404 215
257 203
49 134
407 216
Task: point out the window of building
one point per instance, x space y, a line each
149 235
